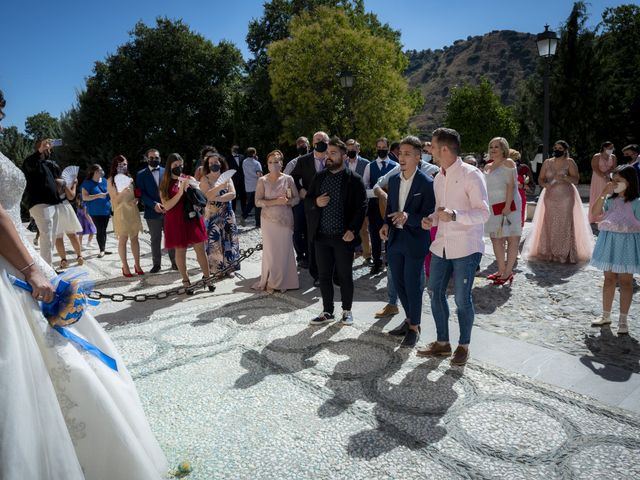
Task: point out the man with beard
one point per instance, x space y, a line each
336 202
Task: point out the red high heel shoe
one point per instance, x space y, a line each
139 272
128 275
502 281
493 276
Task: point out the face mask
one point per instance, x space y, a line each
321 146
303 150
352 154
177 171
214 167
620 187
274 167
609 151
558 153
426 157
382 153
154 163
122 169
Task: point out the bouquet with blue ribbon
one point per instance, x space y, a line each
69 303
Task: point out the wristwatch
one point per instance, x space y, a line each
453 215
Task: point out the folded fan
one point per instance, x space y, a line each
122 182
70 174
225 176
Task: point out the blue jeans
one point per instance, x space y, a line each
391 288
463 270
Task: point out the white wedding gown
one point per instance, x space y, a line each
64 415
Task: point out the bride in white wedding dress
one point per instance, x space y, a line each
64 415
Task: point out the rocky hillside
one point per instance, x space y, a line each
505 57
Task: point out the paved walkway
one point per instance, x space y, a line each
237 383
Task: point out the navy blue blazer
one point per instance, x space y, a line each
150 191
411 240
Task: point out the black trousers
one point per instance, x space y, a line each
300 243
375 224
101 222
156 229
250 205
334 257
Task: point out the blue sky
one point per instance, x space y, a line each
49 48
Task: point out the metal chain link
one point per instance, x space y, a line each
143 297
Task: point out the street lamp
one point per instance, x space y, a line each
547 43
346 82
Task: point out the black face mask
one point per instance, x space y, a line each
177 171
154 163
303 150
352 154
382 153
321 147
558 153
215 167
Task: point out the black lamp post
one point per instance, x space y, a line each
346 82
547 43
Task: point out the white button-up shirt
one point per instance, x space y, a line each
156 174
405 186
461 188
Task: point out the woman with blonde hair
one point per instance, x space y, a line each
126 217
504 226
276 194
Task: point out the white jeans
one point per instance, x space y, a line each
46 217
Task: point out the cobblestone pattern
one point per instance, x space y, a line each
243 388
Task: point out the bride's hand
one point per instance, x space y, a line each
42 288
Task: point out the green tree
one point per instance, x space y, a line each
478 115
168 87
15 145
42 125
309 97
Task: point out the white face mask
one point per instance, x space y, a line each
609 151
620 187
426 157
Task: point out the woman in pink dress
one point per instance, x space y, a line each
560 230
181 232
602 164
276 194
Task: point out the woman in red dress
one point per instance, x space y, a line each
181 232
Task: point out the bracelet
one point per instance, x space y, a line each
28 266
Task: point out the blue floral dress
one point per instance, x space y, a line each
223 248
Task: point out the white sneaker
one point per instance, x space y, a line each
623 327
347 318
601 323
321 319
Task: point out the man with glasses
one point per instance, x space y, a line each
148 181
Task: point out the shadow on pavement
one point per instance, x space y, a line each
617 357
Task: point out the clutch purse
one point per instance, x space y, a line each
499 207
137 192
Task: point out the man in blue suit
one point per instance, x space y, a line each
148 181
410 198
632 157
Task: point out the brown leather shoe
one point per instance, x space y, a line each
388 311
460 356
434 349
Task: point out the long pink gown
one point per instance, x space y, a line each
598 183
279 270
560 231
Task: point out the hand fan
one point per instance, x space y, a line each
70 174
122 182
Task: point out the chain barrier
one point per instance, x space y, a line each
205 282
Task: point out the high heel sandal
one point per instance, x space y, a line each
125 274
493 276
502 281
80 260
187 287
138 271
64 263
208 282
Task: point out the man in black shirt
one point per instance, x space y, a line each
42 194
336 202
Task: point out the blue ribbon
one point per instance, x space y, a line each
89 347
52 308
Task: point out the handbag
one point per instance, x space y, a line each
499 207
